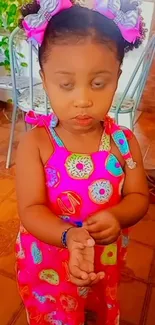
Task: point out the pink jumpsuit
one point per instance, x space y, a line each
78 185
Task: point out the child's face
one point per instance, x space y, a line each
80 80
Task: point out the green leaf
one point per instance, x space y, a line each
10 20
4 42
6 63
21 55
4 6
13 9
6 52
24 64
5 39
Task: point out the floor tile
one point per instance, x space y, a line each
132 295
150 157
7 264
2 158
4 134
8 209
144 143
21 320
151 312
10 172
13 197
144 232
139 260
10 301
8 234
6 186
3 151
151 213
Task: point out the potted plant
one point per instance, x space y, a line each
9 17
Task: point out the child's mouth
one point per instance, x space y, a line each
83 120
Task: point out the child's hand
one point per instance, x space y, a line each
81 263
103 227
88 282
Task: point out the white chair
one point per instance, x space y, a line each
126 103
27 92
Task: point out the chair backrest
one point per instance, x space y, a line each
25 85
144 64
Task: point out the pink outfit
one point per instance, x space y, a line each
78 185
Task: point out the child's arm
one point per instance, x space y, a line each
33 209
105 226
135 201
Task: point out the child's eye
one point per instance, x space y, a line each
98 84
67 86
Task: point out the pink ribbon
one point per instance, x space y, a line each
128 22
36 24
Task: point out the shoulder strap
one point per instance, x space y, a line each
48 121
120 137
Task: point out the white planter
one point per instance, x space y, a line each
5 95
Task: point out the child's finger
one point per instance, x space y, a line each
90 242
93 228
77 273
100 276
102 235
91 220
83 283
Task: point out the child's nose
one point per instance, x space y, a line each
82 99
83 103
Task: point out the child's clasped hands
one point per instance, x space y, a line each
102 229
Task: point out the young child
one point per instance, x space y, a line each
80 177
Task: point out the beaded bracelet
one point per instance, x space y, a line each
64 237
78 224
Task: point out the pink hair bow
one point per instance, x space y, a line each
128 22
35 24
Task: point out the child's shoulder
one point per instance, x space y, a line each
29 142
36 143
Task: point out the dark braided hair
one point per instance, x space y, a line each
78 22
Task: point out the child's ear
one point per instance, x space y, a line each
43 79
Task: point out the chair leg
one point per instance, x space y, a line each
131 122
8 161
25 124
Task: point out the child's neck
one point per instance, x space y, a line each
84 142
83 132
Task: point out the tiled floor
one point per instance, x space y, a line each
137 289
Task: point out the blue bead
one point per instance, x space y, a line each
79 224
